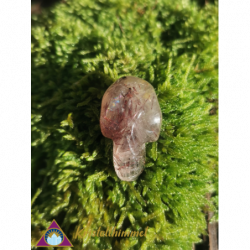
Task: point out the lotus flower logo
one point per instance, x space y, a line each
53 236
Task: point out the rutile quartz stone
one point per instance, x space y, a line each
130 116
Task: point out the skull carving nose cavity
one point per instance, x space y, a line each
130 116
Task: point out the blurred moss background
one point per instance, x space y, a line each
79 48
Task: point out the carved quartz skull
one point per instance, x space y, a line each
130 116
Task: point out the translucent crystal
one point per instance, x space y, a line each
130 116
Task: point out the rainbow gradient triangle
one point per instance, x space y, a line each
64 243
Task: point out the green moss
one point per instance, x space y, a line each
78 49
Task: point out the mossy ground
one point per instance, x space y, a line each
79 48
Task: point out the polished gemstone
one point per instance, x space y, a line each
130 116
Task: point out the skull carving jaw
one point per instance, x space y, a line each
130 116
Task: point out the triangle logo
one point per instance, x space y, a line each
54 237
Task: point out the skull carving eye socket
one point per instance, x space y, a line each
130 116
